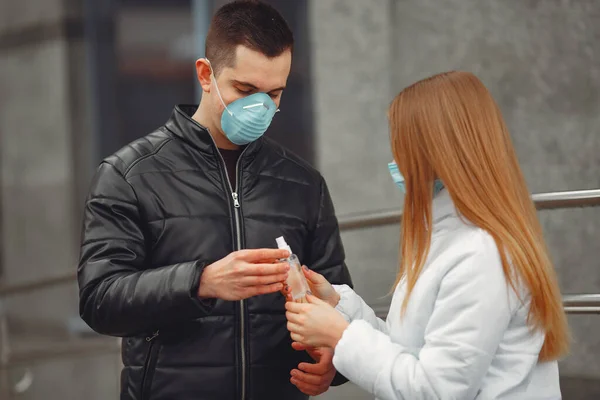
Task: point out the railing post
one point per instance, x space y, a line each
4 355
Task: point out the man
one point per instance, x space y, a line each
177 255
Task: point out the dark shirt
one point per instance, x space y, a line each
231 157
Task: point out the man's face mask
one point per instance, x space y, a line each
399 179
245 120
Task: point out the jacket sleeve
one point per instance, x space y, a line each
326 252
471 313
118 295
353 307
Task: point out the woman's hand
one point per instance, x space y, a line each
315 324
320 287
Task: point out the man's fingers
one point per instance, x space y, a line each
263 280
306 388
299 346
315 353
313 379
272 261
287 293
272 288
319 368
255 255
252 291
326 355
307 378
264 269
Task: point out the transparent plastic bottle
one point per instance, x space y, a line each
296 279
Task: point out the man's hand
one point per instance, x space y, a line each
244 274
314 379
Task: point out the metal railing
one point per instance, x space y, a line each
32 285
574 304
66 349
582 304
543 201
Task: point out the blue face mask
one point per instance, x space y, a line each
245 120
399 179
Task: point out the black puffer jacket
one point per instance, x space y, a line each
159 211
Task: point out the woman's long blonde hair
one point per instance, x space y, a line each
449 127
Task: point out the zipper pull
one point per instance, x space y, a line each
236 203
151 338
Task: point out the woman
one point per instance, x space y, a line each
476 312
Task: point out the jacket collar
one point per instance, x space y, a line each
443 206
183 126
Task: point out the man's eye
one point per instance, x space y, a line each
244 91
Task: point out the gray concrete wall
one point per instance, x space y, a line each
541 61
44 160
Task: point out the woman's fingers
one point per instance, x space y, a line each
297 308
312 276
293 327
315 300
295 318
297 337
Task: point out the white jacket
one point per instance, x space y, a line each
464 334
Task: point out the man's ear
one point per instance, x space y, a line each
203 72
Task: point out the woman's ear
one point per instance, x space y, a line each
203 72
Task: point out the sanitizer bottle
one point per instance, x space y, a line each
296 279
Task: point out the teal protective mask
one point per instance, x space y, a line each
399 179
245 120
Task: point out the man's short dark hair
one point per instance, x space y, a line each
251 23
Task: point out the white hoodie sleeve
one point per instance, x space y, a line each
353 307
470 316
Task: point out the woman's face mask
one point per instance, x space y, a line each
399 179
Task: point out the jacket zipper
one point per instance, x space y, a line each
149 364
238 230
238 246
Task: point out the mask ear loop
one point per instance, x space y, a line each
214 79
